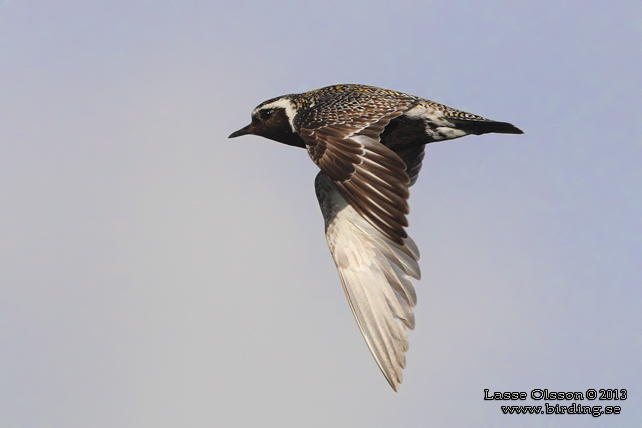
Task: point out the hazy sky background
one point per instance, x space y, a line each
154 273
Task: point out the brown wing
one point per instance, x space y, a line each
342 137
376 274
413 158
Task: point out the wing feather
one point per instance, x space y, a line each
376 275
345 144
413 158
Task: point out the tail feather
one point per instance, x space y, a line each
485 127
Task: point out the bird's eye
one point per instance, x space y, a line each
265 113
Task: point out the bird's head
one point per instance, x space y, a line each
273 119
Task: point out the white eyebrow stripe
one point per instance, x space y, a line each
283 103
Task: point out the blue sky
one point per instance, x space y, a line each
155 273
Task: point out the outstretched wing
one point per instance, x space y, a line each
341 133
376 274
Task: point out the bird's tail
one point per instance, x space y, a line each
479 127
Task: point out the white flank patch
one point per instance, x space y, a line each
423 112
450 133
444 131
283 103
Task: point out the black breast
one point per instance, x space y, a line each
404 133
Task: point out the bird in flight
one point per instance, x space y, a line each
369 144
